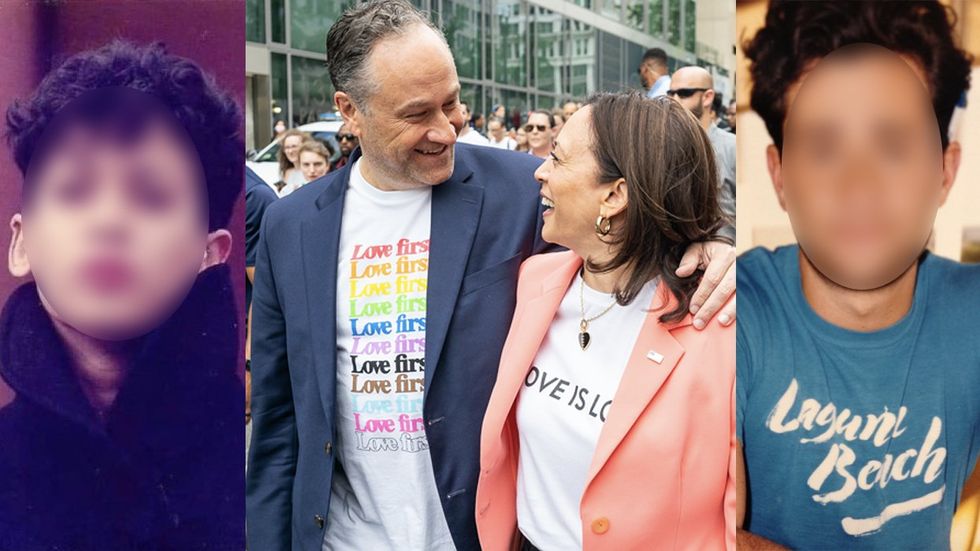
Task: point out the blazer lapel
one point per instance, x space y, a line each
455 215
320 243
653 359
534 319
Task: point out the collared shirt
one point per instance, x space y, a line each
659 87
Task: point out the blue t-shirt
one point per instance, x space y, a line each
856 440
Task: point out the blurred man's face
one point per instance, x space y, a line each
465 110
496 130
408 126
569 109
114 233
346 140
862 170
691 92
646 75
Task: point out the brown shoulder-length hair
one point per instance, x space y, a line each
668 163
284 163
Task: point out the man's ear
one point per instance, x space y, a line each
708 98
951 165
17 261
615 199
218 249
349 111
775 166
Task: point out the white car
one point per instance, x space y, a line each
265 163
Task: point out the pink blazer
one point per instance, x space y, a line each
663 473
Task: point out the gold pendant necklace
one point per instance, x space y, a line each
583 334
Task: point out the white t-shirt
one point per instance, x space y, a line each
471 136
565 399
386 496
506 143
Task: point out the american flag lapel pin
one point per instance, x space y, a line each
655 356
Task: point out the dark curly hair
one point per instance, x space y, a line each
208 114
796 33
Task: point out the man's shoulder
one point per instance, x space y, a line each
304 200
495 163
958 282
259 194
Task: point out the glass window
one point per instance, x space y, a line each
280 107
309 21
674 22
610 70
690 22
472 95
613 9
516 105
278 14
312 91
548 58
581 72
464 33
655 17
255 20
634 14
509 37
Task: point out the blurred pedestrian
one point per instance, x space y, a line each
693 87
498 135
467 134
278 129
569 109
521 140
348 142
314 159
654 74
559 117
540 133
290 175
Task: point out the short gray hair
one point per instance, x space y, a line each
351 39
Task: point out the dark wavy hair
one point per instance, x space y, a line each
796 33
668 163
210 116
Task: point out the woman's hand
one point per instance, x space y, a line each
717 288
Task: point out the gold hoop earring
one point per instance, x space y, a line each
600 229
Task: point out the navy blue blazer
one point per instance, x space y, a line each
485 222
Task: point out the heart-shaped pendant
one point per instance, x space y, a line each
584 339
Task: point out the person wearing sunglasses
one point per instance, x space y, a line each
540 133
693 87
348 143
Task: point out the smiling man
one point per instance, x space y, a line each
383 296
858 415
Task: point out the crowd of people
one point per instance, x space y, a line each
535 136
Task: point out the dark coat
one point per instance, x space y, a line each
165 471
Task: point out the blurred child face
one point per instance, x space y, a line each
114 233
862 171
313 165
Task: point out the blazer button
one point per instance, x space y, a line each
600 525
327 448
319 521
